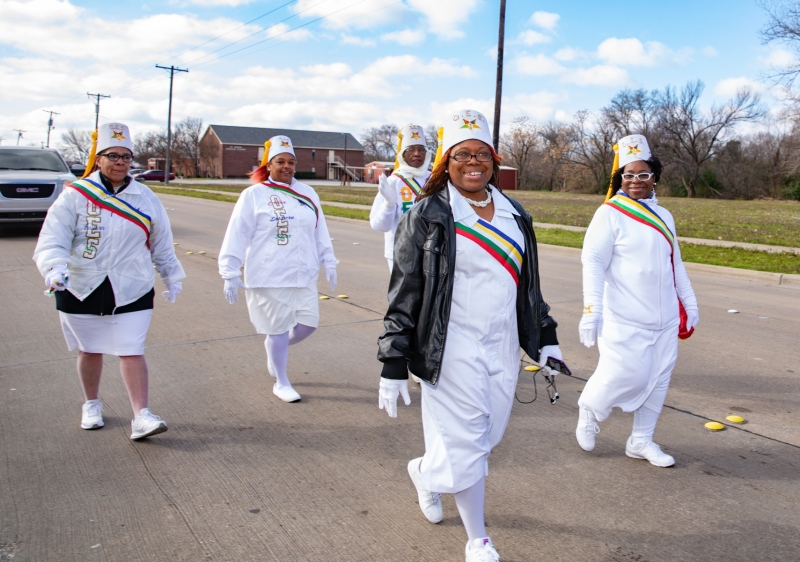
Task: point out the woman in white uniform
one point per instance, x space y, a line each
635 290
398 192
464 297
278 232
96 251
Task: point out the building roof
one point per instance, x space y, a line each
257 136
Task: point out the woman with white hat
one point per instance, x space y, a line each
278 232
638 302
398 192
464 298
96 251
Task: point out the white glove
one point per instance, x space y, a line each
591 324
388 392
57 279
330 276
387 190
692 318
231 289
172 292
547 352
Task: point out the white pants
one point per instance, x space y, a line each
465 415
634 369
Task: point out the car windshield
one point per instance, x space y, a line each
37 160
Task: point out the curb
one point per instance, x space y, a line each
784 279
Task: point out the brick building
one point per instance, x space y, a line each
233 152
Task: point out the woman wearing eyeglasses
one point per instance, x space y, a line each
635 291
464 298
398 192
96 251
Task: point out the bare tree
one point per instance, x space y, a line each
632 112
185 145
519 148
692 136
152 144
783 26
76 144
593 148
380 143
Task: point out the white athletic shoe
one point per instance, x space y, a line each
481 550
649 451
587 429
92 417
429 502
147 424
285 393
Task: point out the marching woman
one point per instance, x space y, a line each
464 297
638 302
278 232
398 192
96 251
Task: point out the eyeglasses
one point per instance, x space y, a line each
640 177
418 149
113 156
467 157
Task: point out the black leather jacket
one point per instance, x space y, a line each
421 289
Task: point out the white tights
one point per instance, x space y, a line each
646 417
278 351
470 504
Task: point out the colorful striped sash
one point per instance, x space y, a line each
302 199
412 185
640 212
500 246
101 197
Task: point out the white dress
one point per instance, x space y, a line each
627 266
465 414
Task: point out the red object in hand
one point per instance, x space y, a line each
683 333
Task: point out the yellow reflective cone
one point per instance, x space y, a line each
736 419
715 426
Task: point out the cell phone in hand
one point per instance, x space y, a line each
558 365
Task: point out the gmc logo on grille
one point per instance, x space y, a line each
27 190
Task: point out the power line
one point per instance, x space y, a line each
19 134
50 126
97 107
172 71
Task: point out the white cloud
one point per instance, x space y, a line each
531 37
445 17
355 40
599 75
632 52
341 14
537 65
229 3
709 51
545 20
282 30
405 37
408 65
568 54
777 58
728 87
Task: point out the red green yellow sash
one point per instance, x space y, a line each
497 244
412 185
101 197
302 199
641 213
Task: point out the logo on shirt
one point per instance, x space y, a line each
93 230
281 218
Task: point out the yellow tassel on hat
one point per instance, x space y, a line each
440 142
399 148
265 158
614 168
92 157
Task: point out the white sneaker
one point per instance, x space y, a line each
147 424
481 550
285 393
649 451
587 429
429 502
92 417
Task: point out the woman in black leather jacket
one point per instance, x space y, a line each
464 297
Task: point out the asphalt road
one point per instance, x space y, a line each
243 476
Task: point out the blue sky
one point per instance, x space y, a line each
366 62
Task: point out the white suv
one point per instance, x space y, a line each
30 181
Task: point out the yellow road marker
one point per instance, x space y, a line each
342 297
736 419
189 252
715 426
532 368
324 297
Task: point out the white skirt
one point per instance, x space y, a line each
115 334
633 361
465 415
276 310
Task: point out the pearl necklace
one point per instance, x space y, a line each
483 203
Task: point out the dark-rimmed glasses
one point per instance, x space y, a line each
467 157
114 157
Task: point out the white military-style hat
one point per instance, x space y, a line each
111 135
633 148
276 145
461 126
410 135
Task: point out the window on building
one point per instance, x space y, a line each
313 170
313 154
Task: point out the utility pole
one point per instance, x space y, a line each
19 134
168 164
96 107
499 90
50 126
